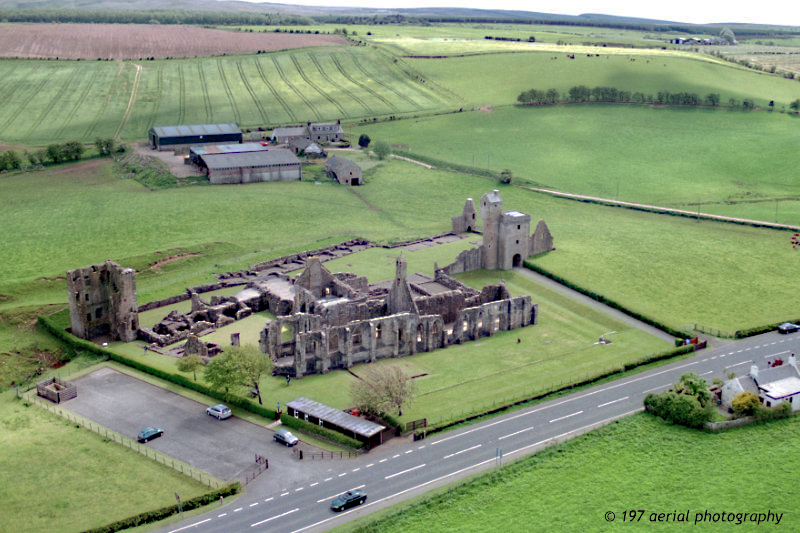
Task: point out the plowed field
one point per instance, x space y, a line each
135 41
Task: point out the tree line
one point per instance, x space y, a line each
54 154
216 18
584 94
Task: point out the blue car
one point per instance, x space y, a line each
149 433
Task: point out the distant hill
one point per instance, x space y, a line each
340 13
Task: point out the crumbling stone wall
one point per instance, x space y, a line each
102 301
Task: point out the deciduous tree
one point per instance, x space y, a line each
190 363
381 389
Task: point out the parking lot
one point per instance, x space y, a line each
225 449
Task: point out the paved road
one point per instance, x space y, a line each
406 468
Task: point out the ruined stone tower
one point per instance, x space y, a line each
102 301
506 235
399 299
466 221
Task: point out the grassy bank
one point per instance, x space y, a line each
639 462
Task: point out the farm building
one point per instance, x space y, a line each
307 148
177 137
246 163
346 172
320 132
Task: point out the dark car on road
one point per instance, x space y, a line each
788 327
219 411
284 436
149 433
348 499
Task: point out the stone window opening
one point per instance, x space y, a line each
378 331
98 313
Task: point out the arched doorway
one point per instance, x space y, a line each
516 261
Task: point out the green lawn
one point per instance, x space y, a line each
51 469
637 463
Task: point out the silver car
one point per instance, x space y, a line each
219 411
285 437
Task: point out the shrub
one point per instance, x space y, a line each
679 409
745 404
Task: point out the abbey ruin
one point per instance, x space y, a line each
328 320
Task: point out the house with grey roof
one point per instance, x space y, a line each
320 132
779 382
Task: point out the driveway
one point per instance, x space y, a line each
225 449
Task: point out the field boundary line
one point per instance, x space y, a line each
345 90
314 86
182 95
666 210
128 110
256 101
294 88
358 83
273 90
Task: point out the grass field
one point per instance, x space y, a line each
504 76
50 101
639 462
733 163
36 471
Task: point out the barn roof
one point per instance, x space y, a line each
196 130
336 417
229 148
262 158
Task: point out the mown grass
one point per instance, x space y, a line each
50 466
729 162
638 462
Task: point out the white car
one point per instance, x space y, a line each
219 411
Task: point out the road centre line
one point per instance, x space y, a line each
237 510
567 416
594 424
440 478
335 495
515 433
269 499
253 504
192 525
656 388
613 401
274 517
405 471
221 515
327 479
550 406
462 451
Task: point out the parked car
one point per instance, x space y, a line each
149 433
788 327
348 499
284 436
219 411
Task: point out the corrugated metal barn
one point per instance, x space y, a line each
176 137
248 164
